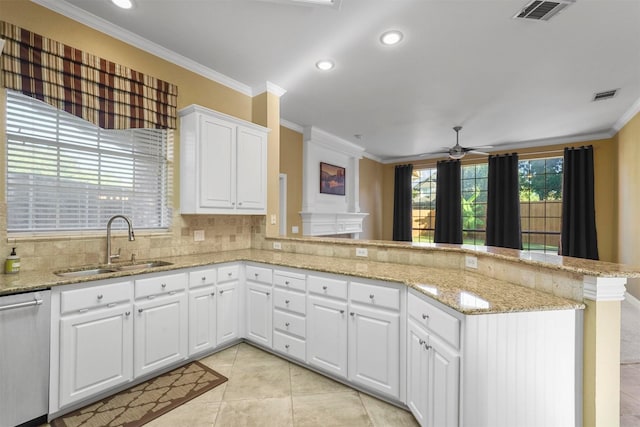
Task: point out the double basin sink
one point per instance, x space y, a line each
113 268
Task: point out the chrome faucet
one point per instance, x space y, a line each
131 236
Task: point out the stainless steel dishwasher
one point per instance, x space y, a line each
25 321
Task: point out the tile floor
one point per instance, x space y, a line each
265 390
630 395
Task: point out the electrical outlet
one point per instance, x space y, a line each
198 235
362 252
294 229
273 219
470 261
277 245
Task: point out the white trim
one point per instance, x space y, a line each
332 142
372 157
632 300
627 116
97 23
604 288
269 87
290 125
193 108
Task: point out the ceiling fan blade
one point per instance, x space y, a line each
472 151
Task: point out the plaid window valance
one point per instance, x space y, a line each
99 91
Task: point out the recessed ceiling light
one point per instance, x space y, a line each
325 65
124 4
390 38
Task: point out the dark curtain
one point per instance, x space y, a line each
579 238
503 202
448 227
402 203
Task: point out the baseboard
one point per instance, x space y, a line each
632 300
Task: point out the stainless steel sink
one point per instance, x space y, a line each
113 268
85 272
141 265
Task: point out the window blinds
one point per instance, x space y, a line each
64 173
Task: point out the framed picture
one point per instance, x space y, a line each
331 179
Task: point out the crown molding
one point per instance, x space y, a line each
290 125
627 116
90 20
373 157
332 142
269 87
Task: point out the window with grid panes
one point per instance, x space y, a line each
424 204
473 183
66 174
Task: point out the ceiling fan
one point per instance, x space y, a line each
458 151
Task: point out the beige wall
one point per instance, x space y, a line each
291 165
371 197
628 249
221 232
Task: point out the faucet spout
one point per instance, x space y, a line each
132 237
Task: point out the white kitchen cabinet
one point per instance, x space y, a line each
374 349
223 167
228 312
327 334
433 375
161 331
92 340
259 313
289 314
202 310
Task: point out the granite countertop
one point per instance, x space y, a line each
466 292
582 266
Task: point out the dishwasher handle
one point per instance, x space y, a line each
37 300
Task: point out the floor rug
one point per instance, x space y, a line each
630 330
140 404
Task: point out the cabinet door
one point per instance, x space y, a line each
217 163
251 176
327 335
96 352
445 377
227 309
374 349
161 333
202 320
259 314
417 372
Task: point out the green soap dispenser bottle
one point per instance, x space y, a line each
12 264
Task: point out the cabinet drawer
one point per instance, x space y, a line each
259 274
327 287
290 323
202 278
381 296
227 273
94 296
289 345
290 281
160 285
287 300
435 320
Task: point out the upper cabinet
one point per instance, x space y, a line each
223 164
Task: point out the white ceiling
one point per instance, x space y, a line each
508 82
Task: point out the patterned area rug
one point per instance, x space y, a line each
138 405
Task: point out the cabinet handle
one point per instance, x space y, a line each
286 324
371 296
164 285
100 296
352 313
213 294
324 288
425 316
286 282
239 203
427 347
341 311
268 293
286 301
421 341
286 346
233 203
221 291
128 313
140 310
204 278
256 274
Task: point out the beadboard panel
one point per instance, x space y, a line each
520 369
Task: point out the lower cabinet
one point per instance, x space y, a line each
161 332
327 334
96 349
433 375
227 312
259 314
202 319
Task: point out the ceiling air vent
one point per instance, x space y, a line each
542 10
608 94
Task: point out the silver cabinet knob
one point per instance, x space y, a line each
286 346
371 296
425 316
100 296
239 203
164 285
286 324
140 310
286 282
352 313
221 291
256 274
427 347
341 311
128 313
324 288
421 341
229 274
213 294
204 278
268 293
